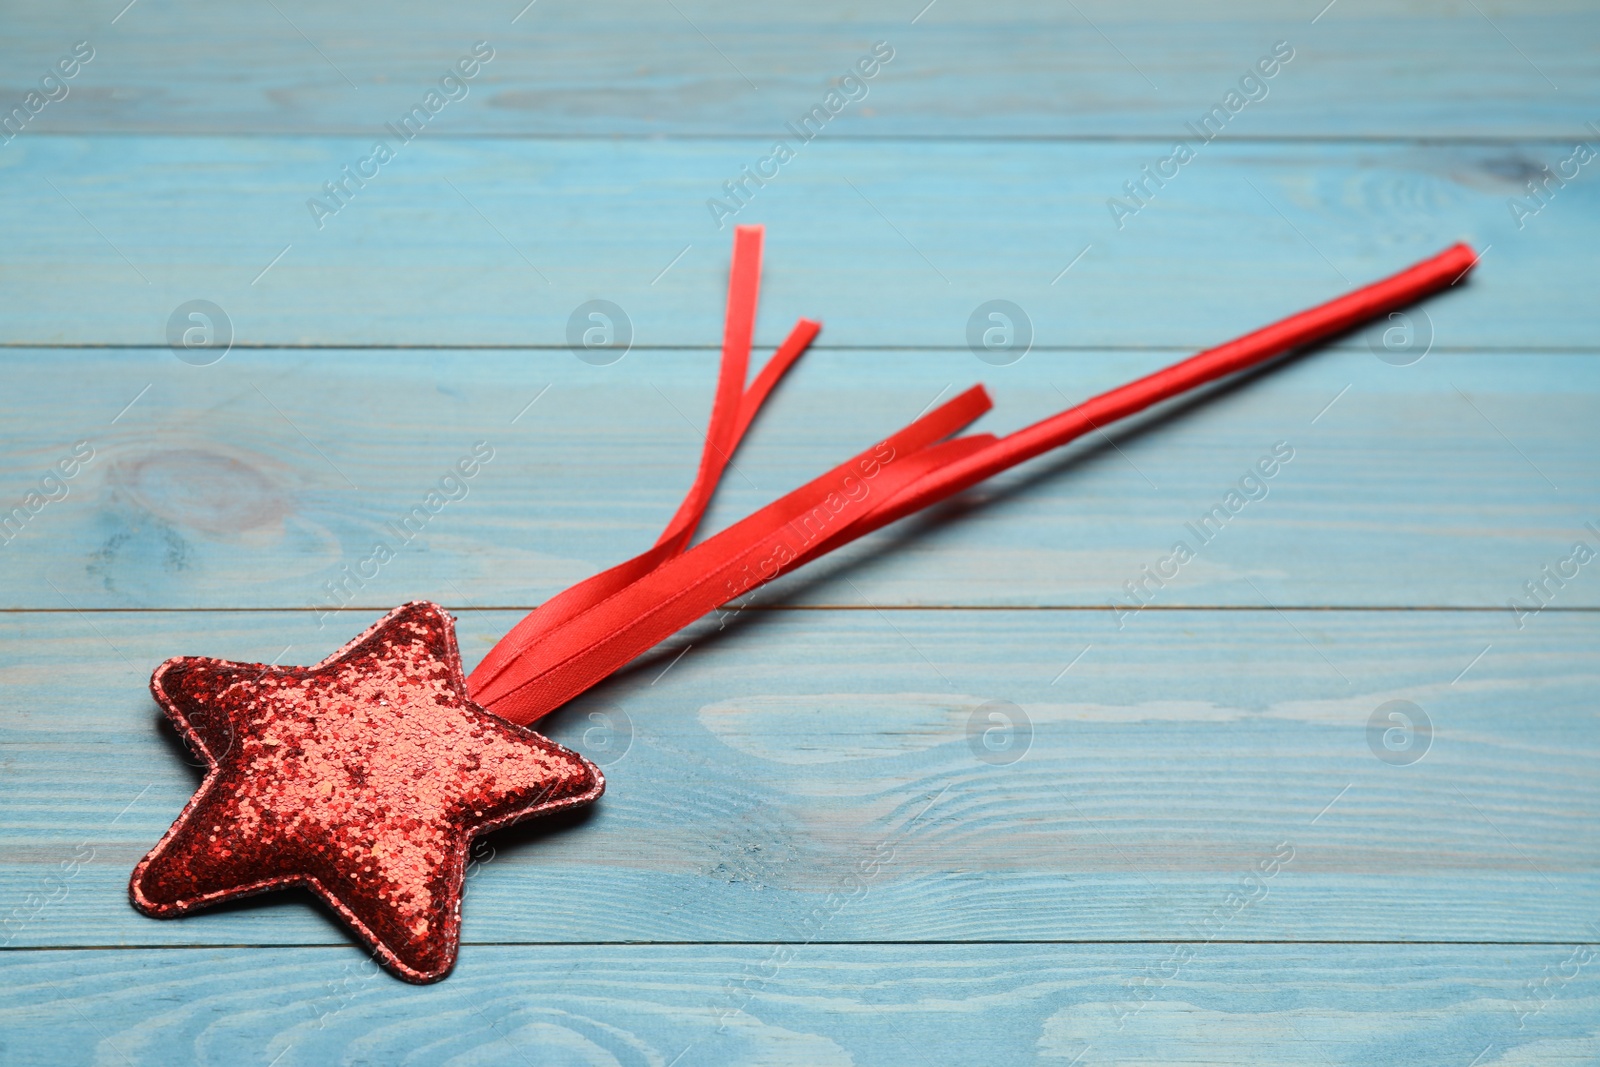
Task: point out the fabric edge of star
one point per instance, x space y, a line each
456 872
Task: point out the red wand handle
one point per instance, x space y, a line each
1296 331
1268 343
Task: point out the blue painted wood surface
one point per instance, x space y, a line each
494 241
1075 891
1422 485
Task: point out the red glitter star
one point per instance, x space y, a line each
364 778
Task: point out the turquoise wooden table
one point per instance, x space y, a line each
1191 830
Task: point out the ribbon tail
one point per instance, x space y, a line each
565 661
733 410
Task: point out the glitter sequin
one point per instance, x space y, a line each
364 778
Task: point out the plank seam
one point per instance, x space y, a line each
650 137
120 346
203 947
1197 608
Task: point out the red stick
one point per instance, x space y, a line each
1296 331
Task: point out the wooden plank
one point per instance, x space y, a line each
226 486
823 1005
754 778
495 241
636 68
1202 800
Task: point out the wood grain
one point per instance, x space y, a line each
751 779
252 482
828 1005
461 242
636 68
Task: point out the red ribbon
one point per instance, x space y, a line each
581 636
